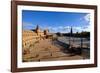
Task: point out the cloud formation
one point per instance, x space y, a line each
87 17
66 29
27 25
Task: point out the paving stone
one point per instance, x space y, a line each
59 54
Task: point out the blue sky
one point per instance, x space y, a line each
55 21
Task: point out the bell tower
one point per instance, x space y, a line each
37 27
37 30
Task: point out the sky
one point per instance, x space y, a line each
56 21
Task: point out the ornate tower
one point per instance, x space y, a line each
70 37
46 31
37 27
71 32
37 30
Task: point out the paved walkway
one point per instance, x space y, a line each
46 50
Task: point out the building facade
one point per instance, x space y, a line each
29 37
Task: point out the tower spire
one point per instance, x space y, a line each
71 32
37 27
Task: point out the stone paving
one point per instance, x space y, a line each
45 50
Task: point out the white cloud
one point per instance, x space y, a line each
80 29
62 29
27 25
66 29
87 17
86 26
